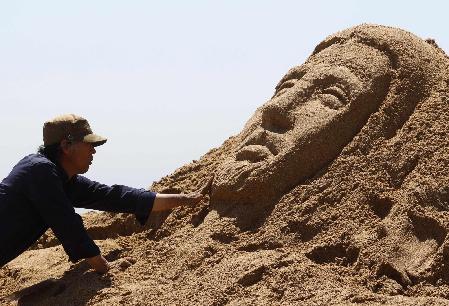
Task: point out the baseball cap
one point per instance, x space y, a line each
72 128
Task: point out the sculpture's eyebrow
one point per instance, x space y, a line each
294 74
349 79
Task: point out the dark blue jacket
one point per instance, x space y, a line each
38 195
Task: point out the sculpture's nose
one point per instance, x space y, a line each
276 119
275 122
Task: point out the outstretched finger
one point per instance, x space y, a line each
206 188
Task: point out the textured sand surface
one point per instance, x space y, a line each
336 191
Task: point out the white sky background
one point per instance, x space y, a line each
165 81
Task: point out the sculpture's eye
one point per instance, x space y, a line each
286 85
333 97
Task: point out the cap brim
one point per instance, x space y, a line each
95 140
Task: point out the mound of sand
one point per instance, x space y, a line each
336 191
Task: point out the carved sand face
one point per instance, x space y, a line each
317 109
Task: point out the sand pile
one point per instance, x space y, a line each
335 192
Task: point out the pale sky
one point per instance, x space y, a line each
165 81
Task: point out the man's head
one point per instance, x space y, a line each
73 140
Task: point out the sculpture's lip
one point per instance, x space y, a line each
253 153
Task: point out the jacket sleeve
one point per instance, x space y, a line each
45 191
116 198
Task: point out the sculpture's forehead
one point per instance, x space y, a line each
362 60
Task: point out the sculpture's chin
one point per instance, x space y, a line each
233 178
235 173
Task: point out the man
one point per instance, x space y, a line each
42 190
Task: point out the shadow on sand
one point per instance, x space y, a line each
76 287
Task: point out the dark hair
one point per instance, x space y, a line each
52 152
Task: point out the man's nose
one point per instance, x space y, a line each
93 150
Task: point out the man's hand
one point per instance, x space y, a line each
165 201
99 264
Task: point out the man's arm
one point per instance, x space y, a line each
85 193
45 190
118 198
161 202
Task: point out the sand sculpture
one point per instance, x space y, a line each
335 192
319 107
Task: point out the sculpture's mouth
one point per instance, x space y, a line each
253 153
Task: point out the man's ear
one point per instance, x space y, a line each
65 146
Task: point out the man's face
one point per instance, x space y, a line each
317 109
80 156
